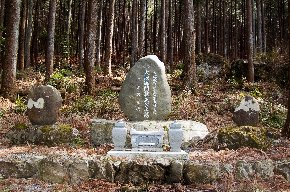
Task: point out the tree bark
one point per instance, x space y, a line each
11 47
28 34
250 75
90 52
22 28
286 129
259 27
35 34
169 38
99 34
50 40
189 45
134 33
109 36
163 34
81 33
142 19
2 4
198 27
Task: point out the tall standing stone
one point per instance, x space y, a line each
43 105
247 113
145 93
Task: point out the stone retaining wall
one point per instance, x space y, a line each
63 168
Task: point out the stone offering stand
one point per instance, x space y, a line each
147 144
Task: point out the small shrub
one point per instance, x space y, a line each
106 100
272 116
20 105
64 80
84 104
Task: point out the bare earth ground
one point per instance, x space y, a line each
212 104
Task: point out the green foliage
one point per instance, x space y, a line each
271 57
236 83
105 100
64 80
176 73
20 105
20 126
84 104
256 92
78 142
272 115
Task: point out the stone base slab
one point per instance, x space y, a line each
182 155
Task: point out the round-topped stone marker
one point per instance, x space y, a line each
247 113
43 105
145 93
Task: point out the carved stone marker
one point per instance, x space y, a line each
145 93
43 105
247 113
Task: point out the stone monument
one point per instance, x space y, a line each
43 105
145 93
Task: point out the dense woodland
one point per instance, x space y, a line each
99 37
85 48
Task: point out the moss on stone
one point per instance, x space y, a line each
243 136
20 126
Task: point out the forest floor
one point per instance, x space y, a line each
212 104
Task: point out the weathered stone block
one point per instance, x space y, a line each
205 173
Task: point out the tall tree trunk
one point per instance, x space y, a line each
34 46
286 128
162 34
22 35
68 30
2 4
11 47
50 40
154 28
109 36
250 75
169 38
142 19
134 33
206 27
90 52
28 34
81 33
259 26
198 27
189 45
99 34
